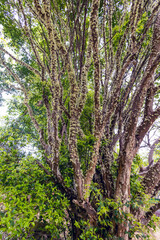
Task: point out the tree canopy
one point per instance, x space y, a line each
85 79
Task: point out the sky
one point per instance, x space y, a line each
3 112
3 108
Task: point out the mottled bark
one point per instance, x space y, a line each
73 52
129 149
152 178
150 213
97 113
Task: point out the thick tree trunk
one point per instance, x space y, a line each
76 232
122 193
81 211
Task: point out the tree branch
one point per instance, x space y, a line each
152 178
97 112
150 157
150 213
22 63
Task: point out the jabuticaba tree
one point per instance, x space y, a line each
93 69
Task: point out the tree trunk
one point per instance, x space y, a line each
122 193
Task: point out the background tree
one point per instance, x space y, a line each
89 76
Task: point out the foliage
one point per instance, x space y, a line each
85 82
32 205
